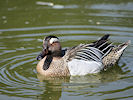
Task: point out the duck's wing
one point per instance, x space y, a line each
83 52
90 52
114 55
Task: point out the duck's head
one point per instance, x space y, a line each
51 46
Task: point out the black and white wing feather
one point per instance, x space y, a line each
90 52
84 52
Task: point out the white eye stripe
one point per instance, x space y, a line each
53 40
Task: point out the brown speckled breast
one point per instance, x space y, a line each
58 67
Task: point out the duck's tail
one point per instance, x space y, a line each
113 57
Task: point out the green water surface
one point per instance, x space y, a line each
24 24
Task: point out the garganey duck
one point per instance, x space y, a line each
79 60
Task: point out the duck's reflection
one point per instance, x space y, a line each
55 85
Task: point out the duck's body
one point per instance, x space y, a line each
57 68
80 60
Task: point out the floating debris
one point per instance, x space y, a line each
98 23
58 6
27 22
90 20
3 17
44 3
50 4
5 21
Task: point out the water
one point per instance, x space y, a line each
24 24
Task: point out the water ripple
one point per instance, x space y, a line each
121 6
69 26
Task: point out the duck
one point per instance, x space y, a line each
79 60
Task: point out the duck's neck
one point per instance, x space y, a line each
57 54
